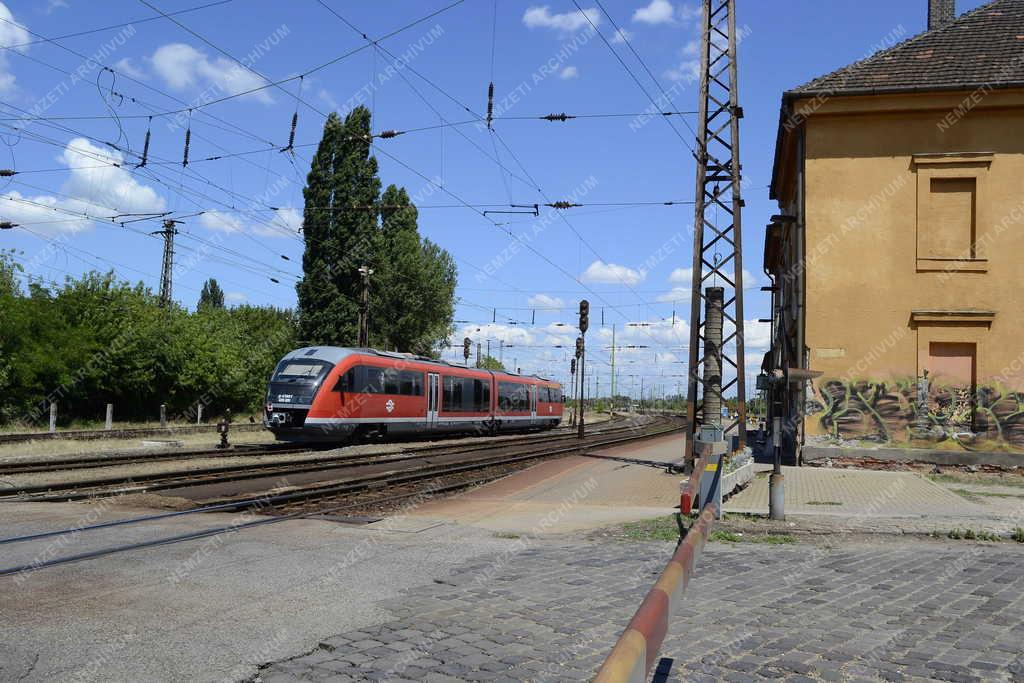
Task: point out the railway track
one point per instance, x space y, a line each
422 479
334 464
137 458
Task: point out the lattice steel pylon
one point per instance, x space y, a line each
717 245
167 269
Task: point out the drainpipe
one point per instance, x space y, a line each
801 247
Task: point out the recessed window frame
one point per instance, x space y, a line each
953 166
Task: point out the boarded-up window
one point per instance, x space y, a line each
953 367
946 226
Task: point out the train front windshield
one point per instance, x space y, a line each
296 381
308 371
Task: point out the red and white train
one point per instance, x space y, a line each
328 393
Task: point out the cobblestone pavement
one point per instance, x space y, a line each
872 610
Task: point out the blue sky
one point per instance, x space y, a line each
241 213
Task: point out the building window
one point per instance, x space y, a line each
951 191
947 230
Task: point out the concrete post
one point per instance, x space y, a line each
163 414
714 299
776 481
199 413
110 417
53 416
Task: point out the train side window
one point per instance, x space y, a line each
391 381
347 381
411 383
373 383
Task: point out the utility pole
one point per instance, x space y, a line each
364 308
167 270
478 359
641 394
613 371
717 243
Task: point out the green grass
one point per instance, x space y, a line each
657 529
823 502
971 535
665 529
1018 535
770 539
981 479
985 494
506 534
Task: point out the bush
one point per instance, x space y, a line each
98 340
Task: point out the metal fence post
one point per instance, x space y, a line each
110 417
163 414
53 416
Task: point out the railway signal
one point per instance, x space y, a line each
581 354
466 344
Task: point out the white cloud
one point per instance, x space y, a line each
688 70
328 99
10 34
97 191
289 218
756 336
54 5
182 66
657 12
675 294
621 36
220 221
510 334
682 276
545 301
569 72
284 222
128 68
235 297
611 273
541 17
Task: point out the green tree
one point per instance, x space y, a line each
211 296
339 223
413 285
491 363
413 305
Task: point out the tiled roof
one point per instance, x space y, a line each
984 47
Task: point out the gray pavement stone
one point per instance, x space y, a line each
872 611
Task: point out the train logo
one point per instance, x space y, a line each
390 406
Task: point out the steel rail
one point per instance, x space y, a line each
239 450
271 500
87 488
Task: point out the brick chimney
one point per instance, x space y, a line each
940 13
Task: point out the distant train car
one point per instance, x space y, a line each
327 393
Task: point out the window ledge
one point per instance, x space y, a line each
952 265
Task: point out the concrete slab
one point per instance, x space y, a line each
860 493
206 610
571 494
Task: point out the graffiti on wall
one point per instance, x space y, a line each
898 411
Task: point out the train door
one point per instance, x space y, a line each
433 398
533 404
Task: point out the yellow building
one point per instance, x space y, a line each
897 257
